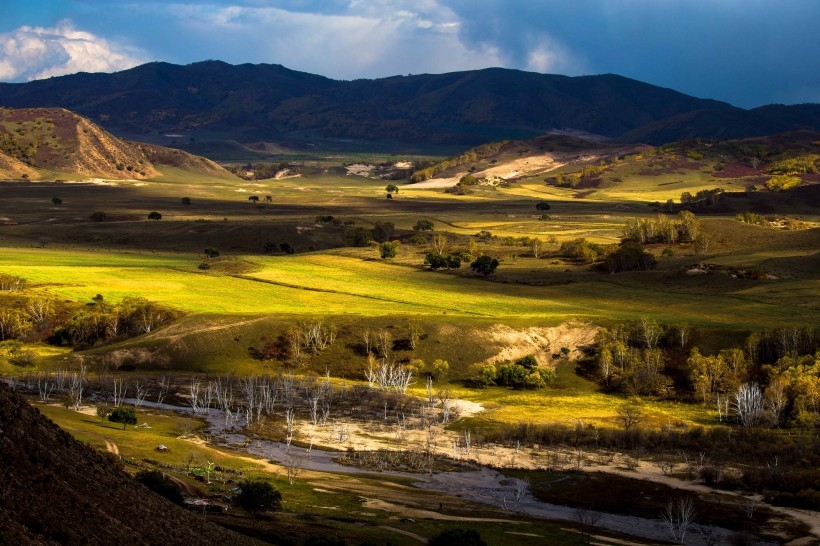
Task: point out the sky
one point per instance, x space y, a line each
745 52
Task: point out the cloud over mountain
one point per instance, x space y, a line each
31 53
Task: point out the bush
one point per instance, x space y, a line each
258 496
388 249
484 265
160 484
23 358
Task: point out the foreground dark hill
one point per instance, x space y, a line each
59 141
215 100
55 490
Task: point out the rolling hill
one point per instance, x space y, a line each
213 100
62 142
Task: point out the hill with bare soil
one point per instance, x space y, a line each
55 490
62 142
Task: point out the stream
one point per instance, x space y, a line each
485 486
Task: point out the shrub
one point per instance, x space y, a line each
161 484
258 496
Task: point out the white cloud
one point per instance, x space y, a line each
32 53
358 41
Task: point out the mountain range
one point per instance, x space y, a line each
213 100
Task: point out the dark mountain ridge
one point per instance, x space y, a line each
216 100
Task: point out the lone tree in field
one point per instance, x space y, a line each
97 216
542 206
258 496
484 265
391 188
57 201
186 200
124 415
253 198
211 252
154 215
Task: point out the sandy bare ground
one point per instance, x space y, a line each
542 342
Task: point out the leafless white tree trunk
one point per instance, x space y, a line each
678 516
749 405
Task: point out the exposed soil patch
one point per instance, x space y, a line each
543 343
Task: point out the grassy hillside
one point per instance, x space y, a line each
48 143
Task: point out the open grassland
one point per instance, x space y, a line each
338 284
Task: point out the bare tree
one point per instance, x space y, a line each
586 520
414 332
142 391
630 413
439 243
650 332
384 340
749 405
367 337
163 386
678 516
293 466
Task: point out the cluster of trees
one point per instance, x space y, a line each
101 322
359 236
259 171
438 261
524 373
782 182
298 341
79 325
702 198
628 256
572 180
752 218
774 379
475 154
684 228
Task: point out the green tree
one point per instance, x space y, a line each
154 215
124 415
186 200
484 265
542 206
389 249
391 188
97 216
435 261
382 231
424 225
357 236
258 496
253 198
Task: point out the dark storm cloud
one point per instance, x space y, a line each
748 52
